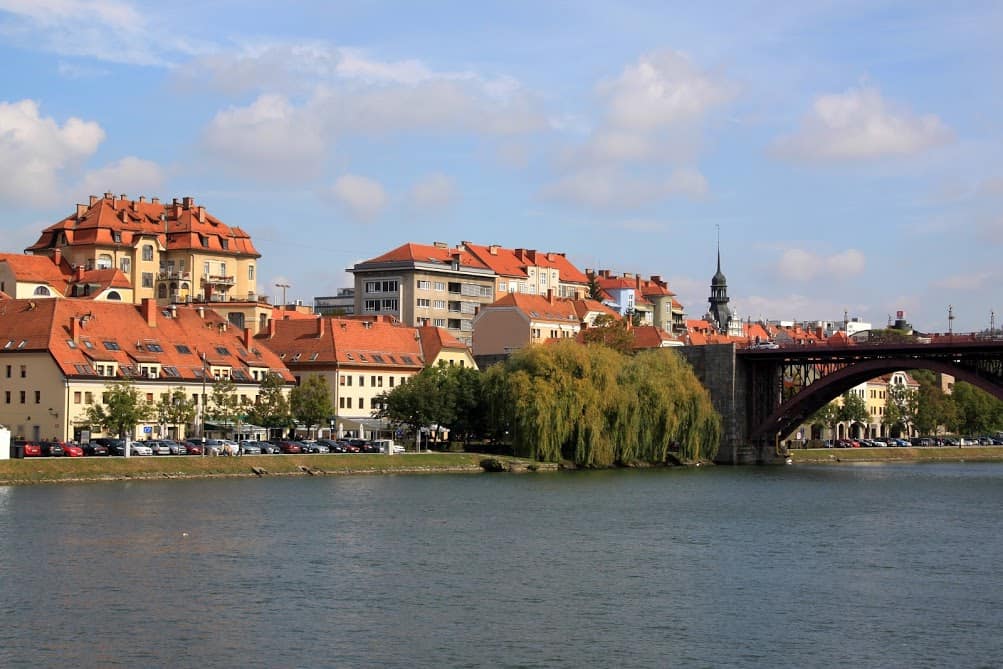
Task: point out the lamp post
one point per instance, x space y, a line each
283 286
202 406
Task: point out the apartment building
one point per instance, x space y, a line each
425 285
530 272
57 357
359 358
171 252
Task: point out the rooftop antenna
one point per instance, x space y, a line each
950 319
717 226
992 322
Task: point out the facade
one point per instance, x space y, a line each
425 285
58 356
342 304
359 358
530 272
172 252
516 321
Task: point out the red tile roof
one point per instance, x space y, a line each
36 269
176 226
539 308
328 340
411 252
434 340
77 332
514 262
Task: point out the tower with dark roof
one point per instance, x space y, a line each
719 313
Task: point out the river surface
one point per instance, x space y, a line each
833 566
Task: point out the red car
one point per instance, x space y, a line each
72 451
31 449
289 447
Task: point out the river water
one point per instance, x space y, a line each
836 566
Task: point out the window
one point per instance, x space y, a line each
349 400
24 371
439 322
182 348
439 304
390 381
222 269
250 272
362 402
440 286
8 371
341 402
147 279
384 286
222 350
6 396
23 396
42 291
372 380
371 305
204 241
88 397
349 377
125 264
423 302
224 242
154 347
502 287
486 291
147 252
111 345
424 285
390 304
104 261
362 382
77 397
341 379
116 236
38 397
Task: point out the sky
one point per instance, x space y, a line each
848 153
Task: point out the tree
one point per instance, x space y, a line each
827 416
176 409
978 412
310 402
595 291
611 332
423 401
225 405
121 409
901 407
854 409
271 408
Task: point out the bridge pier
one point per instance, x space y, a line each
717 368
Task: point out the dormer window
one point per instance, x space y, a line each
116 236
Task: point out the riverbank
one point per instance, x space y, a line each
69 470
922 454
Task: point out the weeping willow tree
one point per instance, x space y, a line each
597 407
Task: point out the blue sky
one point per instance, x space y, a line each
849 152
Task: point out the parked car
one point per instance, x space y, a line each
73 450
114 446
176 447
387 446
269 447
31 449
52 449
333 446
158 447
94 448
139 448
250 448
289 447
192 448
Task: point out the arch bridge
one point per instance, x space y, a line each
764 394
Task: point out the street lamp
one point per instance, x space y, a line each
202 406
283 286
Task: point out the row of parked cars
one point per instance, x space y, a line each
104 446
915 441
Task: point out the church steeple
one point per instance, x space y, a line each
719 312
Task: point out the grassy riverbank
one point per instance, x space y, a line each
923 454
56 470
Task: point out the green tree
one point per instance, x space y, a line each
611 332
310 402
977 411
224 403
853 409
271 408
176 409
827 416
595 291
423 401
464 391
120 410
901 408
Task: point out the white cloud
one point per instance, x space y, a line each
861 124
107 30
361 197
801 265
35 151
966 282
434 191
128 175
608 187
661 89
270 139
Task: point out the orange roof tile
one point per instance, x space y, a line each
329 340
539 308
411 252
35 269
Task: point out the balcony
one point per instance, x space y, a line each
173 275
218 280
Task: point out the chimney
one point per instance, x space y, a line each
81 210
57 257
93 199
122 197
638 282
187 202
657 280
201 214
149 310
493 249
271 328
550 295
518 253
247 338
320 327
80 273
123 216
142 198
440 245
109 196
154 200
75 327
201 312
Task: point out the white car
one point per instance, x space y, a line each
388 446
139 449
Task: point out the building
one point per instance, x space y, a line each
719 314
58 356
359 358
342 304
530 272
172 252
425 285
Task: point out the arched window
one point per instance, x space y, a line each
147 252
42 291
104 261
113 295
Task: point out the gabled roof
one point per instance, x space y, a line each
650 336
435 340
425 253
587 306
35 269
329 340
515 262
77 332
118 222
539 308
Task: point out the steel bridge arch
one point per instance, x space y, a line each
797 409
